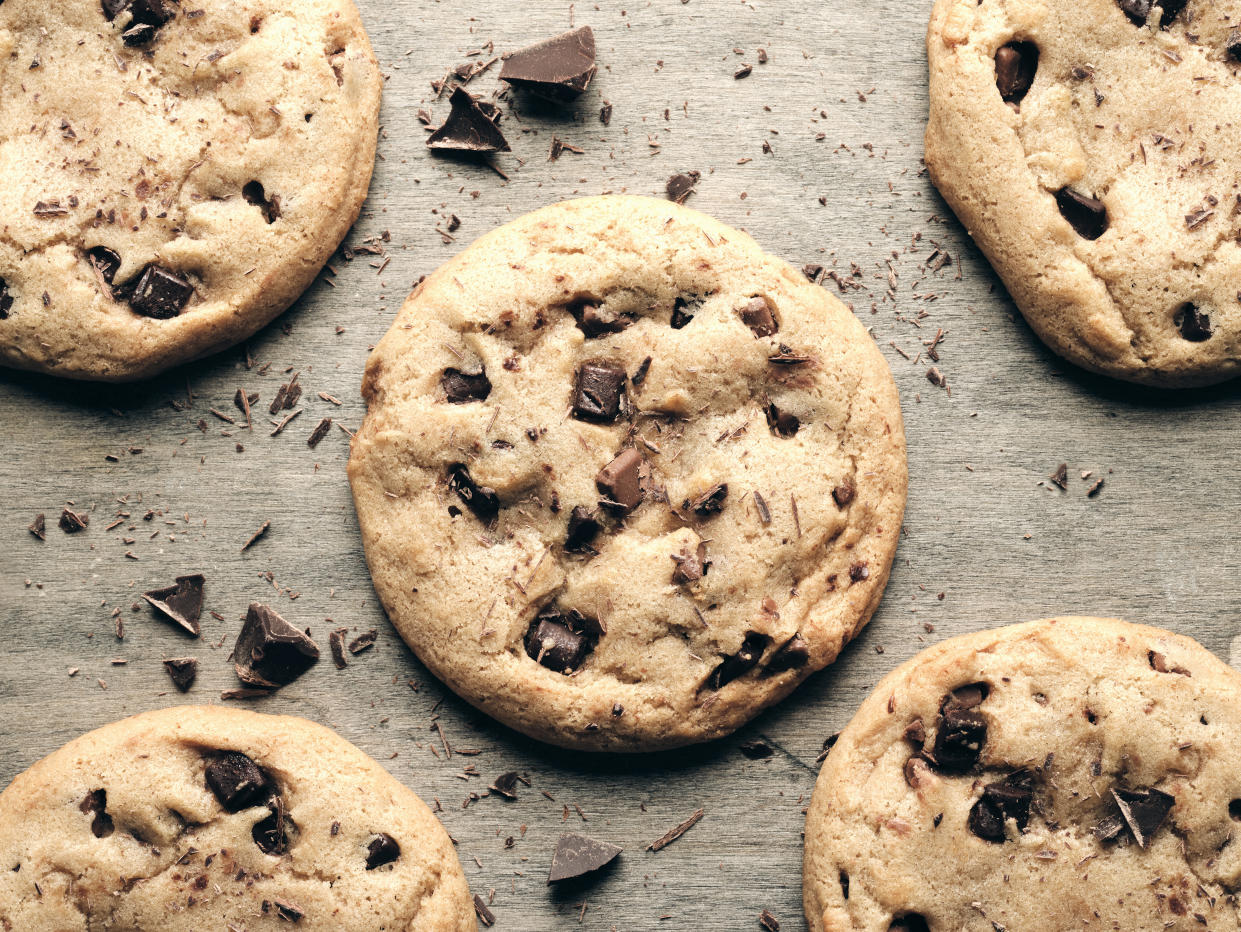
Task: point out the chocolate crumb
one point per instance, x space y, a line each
38 527
71 521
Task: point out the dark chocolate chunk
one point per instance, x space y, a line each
1061 476
160 293
480 499
269 651
468 128
1233 46
38 527
363 641
598 392
6 300
336 643
681 307
107 261
962 732
909 922
463 387
710 502
383 849
253 193
759 317
506 784
680 186
154 12
620 481
576 856
182 671
112 8
1086 215
561 641
595 322
781 422
581 531
559 68
289 912
237 781
1139 11
785 356
72 521
485 915
793 655
272 833
740 663
1144 811
1194 323
181 603
691 567
95 804
843 494
1015 67
138 35
1008 799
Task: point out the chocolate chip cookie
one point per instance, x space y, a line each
1072 773
174 173
624 479
201 817
1090 148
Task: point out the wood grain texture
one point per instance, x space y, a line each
841 102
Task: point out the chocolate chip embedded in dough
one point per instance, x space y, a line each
708 503
582 529
1233 46
272 833
6 300
561 641
95 804
237 781
1144 810
1008 799
269 651
1086 215
690 567
596 322
740 663
792 655
1193 322
682 309
106 260
759 316
598 391
159 293
463 387
843 494
909 922
383 849
480 499
962 731
620 481
253 193
1139 11
781 422
1015 67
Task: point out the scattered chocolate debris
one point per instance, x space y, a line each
182 671
598 393
336 642
759 317
576 856
620 481
256 536
1095 489
38 527
160 293
363 641
485 916
481 500
463 387
583 527
1015 67
95 804
319 432
663 841
71 521
237 781
1193 322
559 68
1086 215
1008 799
605 113
181 603
382 850
743 72
506 784
710 502
681 186
468 128
690 567
1061 476
768 921
269 651
740 663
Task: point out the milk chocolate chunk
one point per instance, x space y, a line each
596 322
576 856
559 68
480 499
620 481
95 804
740 663
581 531
1086 215
759 317
1015 67
106 260
1008 799
598 392
464 387
690 567
561 641
383 849
710 502
1144 811
271 834
237 781
181 603
793 655
781 422
1194 323
270 652
160 293
182 671
6 300
468 128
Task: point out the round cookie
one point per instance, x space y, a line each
201 817
1090 148
1066 774
624 479
172 174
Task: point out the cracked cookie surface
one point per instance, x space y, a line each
1090 148
201 817
1082 771
176 173
624 479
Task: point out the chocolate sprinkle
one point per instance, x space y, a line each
1086 215
1015 67
182 671
480 499
559 68
598 391
382 850
269 651
160 294
181 603
576 856
468 128
237 781
620 481
463 387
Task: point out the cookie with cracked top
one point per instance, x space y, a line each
175 174
202 817
1090 150
615 546
1078 770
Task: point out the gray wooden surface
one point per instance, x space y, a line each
841 103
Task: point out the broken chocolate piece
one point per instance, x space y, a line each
38 527
681 186
599 388
464 387
962 732
917 773
95 804
576 856
138 35
581 531
269 651
72 521
1007 799
1061 476
781 422
681 307
160 293
595 322
468 128
485 915
1233 46
740 663
6 300
759 317
710 502
794 655
112 8
785 356
105 260
182 671
561 641
1015 67
1086 215
506 784
154 12
382 850
237 781
181 603
1194 323
1139 11
559 68
1144 811
620 481
271 834
691 567
336 643
480 499
843 493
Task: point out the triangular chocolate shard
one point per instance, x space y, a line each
576 856
468 128
1144 811
270 652
559 68
182 671
181 603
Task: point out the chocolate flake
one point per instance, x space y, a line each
72 521
463 387
786 357
1015 66
764 513
576 856
468 128
620 481
95 804
506 784
740 663
599 388
581 531
1086 215
288 911
269 651
383 849
320 431
770 922
182 671
1061 476
663 841
759 316
237 781
681 186
1008 799
254 538
336 642
710 502
559 68
181 603
480 499
363 641
38 527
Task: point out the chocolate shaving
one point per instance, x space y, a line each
663 841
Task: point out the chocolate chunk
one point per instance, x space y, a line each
6 300
740 663
160 293
289 912
112 8
620 481
1139 11
595 322
1159 663
1194 324
480 499
690 567
962 732
1015 67
138 35
95 804
363 641
843 494
154 12
576 856
72 521
710 502
463 387
1061 476
181 603
785 356
793 655
383 849
1233 46
1008 799
105 260
253 193
681 186
336 643
182 671
559 68
917 773
1143 810
38 527
237 781
561 641
485 915
681 307
598 392
781 422
909 922
506 784
468 128
269 651
915 733
639 375
271 834
1086 215
759 317
581 531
